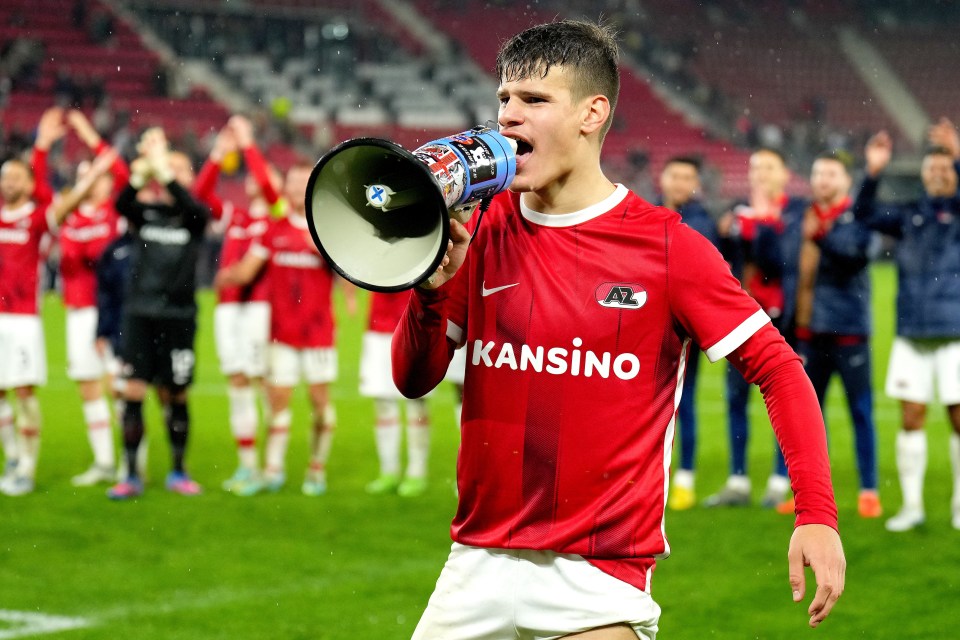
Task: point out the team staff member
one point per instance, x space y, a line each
160 310
832 318
300 284
680 189
578 303
242 315
926 350
83 237
757 264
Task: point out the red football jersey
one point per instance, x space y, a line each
83 236
386 309
300 285
577 328
244 227
21 232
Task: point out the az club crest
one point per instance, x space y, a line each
621 295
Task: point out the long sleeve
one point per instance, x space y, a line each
42 191
885 218
197 214
848 246
205 187
766 360
128 207
421 351
119 168
257 166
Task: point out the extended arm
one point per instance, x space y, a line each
242 273
62 207
766 360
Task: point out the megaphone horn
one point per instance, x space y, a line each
379 213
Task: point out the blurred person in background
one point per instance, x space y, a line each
376 381
160 309
25 217
831 322
300 285
680 191
83 237
241 320
768 206
925 356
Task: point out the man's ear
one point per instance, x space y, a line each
596 111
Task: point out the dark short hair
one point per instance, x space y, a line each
692 161
773 151
838 155
937 150
588 49
20 161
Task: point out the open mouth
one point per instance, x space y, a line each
524 149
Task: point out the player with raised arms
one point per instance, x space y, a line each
578 302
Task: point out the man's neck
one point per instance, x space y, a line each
16 204
574 192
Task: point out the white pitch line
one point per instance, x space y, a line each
27 623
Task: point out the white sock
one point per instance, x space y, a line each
265 412
912 465
955 463
418 438
243 423
387 436
778 484
321 440
277 440
739 483
142 458
29 423
8 432
684 479
96 413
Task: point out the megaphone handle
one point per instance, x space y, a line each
484 205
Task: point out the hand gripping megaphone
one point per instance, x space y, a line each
379 214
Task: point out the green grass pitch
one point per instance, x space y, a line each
351 566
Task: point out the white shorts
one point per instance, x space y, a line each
490 594
83 360
288 365
23 358
916 365
376 372
242 334
458 367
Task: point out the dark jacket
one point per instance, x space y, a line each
928 259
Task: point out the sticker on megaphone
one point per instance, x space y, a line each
469 167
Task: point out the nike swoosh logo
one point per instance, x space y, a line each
486 292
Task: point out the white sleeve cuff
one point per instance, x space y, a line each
455 333
260 251
738 336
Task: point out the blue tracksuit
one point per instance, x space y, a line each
698 218
769 251
928 260
840 324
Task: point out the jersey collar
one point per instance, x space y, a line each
577 217
12 215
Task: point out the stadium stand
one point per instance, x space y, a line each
90 58
713 79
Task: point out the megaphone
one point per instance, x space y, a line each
379 214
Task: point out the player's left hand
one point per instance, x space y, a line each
817 546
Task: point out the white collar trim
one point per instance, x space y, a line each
577 217
9 215
300 222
